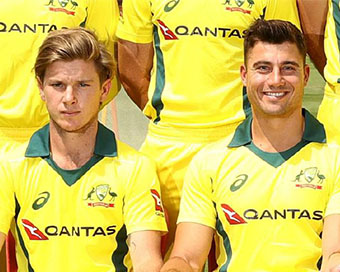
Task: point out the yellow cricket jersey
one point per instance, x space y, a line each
78 220
267 208
332 48
23 27
198 48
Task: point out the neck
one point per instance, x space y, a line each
71 150
277 134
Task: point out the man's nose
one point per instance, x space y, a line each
69 95
275 78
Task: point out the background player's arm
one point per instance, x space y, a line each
313 15
331 244
2 239
192 245
144 248
134 66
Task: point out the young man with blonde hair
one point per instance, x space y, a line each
23 27
81 199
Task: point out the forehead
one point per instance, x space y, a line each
74 68
275 53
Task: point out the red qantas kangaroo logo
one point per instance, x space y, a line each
232 217
167 33
157 198
32 231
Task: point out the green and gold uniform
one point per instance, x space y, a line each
195 93
78 220
23 27
329 110
267 208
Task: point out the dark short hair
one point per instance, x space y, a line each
71 44
274 32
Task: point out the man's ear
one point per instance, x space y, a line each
243 73
106 87
41 89
306 74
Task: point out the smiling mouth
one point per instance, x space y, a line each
275 94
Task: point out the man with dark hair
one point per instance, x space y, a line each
270 190
81 200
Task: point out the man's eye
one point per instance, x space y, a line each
57 85
82 84
288 68
263 68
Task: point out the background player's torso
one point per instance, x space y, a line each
198 45
198 53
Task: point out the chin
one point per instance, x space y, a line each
70 127
73 126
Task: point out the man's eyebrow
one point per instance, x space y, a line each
263 62
294 63
85 80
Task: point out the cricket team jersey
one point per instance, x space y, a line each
78 220
267 208
198 50
23 27
332 48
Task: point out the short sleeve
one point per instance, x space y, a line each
143 209
136 22
197 196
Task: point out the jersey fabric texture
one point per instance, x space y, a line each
79 217
198 47
267 208
173 156
23 27
329 110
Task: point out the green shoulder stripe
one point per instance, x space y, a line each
160 77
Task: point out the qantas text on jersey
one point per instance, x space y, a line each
183 30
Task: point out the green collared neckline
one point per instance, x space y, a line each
39 144
105 146
314 132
